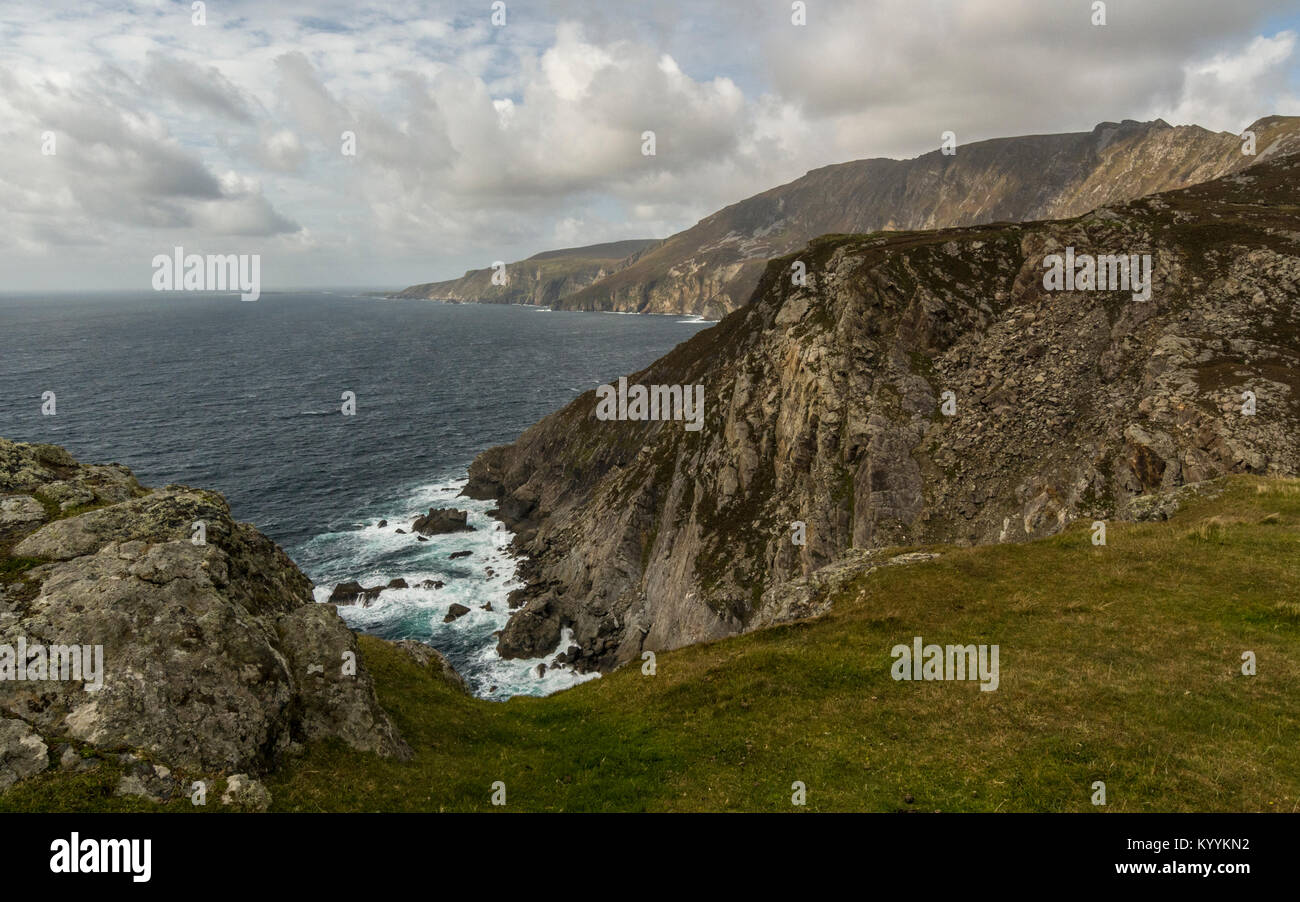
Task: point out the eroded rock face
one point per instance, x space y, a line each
824 406
214 658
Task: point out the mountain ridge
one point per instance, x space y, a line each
712 267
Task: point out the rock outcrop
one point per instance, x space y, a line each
214 659
825 406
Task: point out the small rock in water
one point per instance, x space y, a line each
456 554
541 671
383 523
454 612
353 592
442 519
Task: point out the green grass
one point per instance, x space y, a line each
12 568
1119 663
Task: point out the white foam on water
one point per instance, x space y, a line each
373 555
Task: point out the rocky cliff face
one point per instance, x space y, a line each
214 658
713 267
541 280
825 406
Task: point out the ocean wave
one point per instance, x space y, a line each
482 581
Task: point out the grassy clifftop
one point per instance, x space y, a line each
1120 663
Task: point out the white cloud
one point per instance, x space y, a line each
478 143
1224 92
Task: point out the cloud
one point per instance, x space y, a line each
113 164
1220 92
195 88
280 150
477 143
889 76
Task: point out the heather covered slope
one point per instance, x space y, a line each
822 407
542 279
713 267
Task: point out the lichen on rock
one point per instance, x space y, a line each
215 659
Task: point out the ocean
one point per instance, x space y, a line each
246 399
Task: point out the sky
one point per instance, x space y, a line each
478 141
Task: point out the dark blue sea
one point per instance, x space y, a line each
246 399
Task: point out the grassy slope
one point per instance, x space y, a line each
1119 664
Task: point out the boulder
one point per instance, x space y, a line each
243 793
146 780
441 520
336 695
353 592
22 752
20 512
455 612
